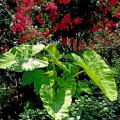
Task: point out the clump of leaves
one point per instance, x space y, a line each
56 90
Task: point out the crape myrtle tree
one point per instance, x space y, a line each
74 24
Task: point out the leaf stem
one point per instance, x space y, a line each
78 73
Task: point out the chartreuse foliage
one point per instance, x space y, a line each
57 84
99 72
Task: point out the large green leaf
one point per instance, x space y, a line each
37 77
27 77
67 84
99 72
38 80
20 58
56 103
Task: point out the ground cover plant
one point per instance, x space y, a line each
55 50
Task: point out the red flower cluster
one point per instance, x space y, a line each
22 22
112 2
73 23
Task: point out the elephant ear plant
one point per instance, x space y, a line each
57 83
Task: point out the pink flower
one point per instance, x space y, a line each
28 21
35 32
51 6
14 29
20 17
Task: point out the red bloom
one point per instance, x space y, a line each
22 39
51 6
72 40
77 21
28 2
111 24
82 46
14 29
95 28
46 33
64 41
61 26
101 1
20 26
99 38
39 19
107 42
100 9
112 2
28 36
35 32
64 1
20 17
67 18
117 15
101 24
53 16
92 46
28 21
107 10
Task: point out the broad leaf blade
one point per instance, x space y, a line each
67 84
99 72
38 80
27 77
27 50
7 60
32 64
20 58
57 104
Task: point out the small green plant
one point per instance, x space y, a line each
56 81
